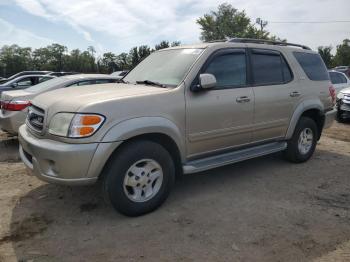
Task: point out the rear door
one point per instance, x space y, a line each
276 93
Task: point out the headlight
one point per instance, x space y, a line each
75 125
340 95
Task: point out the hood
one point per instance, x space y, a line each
17 94
71 99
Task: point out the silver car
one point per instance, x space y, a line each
14 103
23 82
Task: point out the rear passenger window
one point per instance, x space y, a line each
312 65
269 68
229 70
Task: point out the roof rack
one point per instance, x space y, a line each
263 41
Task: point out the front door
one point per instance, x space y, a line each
221 118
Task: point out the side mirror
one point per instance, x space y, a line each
14 85
207 81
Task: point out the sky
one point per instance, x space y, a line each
117 26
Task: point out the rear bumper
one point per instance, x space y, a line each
11 121
62 163
329 118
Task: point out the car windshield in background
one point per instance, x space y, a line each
166 67
46 85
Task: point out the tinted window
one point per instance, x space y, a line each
312 65
270 68
83 83
104 81
28 81
342 79
229 69
287 74
335 79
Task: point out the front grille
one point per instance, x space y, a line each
346 99
35 118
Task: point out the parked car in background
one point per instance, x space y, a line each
183 109
339 80
343 105
23 82
14 103
25 73
58 74
343 69
120 74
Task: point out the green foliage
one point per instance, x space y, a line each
56 57
342 57
325 53
228 22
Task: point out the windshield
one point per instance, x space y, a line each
46 85
166 67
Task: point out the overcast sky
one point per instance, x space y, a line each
116 26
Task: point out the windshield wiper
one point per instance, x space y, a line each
122 81
151 83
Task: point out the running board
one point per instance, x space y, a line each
232 157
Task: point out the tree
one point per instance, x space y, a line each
123 61
175 43
325 53
163 44
55 57
228 22
144 51
342 57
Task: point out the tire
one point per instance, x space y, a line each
301 154
127 176
340 118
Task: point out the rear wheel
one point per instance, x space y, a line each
303 142
139 177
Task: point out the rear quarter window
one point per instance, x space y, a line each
313 66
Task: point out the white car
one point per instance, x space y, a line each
339 80
343 104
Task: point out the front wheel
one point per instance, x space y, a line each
340 117
139 177
303 142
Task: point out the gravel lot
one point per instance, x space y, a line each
264 209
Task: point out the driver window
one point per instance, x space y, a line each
229 70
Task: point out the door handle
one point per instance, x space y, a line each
242 99
295 94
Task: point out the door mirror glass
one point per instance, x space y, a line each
207 81
14 85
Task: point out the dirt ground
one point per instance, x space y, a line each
264 209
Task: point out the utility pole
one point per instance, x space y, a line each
261 23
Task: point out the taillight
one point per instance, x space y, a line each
14 105
333 94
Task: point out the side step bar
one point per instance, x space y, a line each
232 157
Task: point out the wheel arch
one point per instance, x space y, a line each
313 109
156 129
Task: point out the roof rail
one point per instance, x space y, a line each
263 41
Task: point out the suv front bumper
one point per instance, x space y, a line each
62 163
